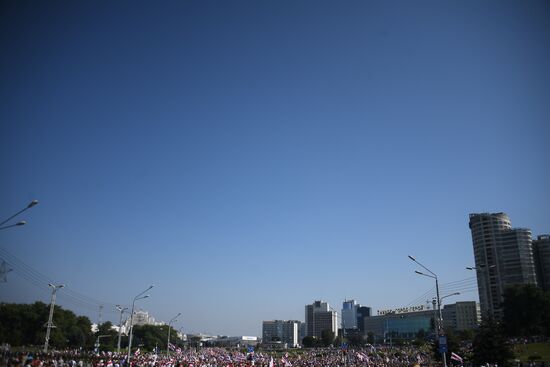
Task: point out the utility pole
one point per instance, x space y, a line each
99 318
4 270
50 324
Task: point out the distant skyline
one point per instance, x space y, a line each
248 158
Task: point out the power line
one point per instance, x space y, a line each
37 278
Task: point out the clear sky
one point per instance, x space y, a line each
249 157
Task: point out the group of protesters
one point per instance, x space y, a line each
219 357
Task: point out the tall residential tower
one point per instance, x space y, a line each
541 247
503 257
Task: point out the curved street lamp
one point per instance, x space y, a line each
174 319
139 296
121 309
21 223
433 276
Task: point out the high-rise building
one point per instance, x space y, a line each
503 257
353 315
349 314
281 331
362 312
541 249
320 317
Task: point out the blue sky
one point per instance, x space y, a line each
250 157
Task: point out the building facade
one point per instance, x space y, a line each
320 317
283 331
349 314
503 257
400 325
460 316
362 312
541 249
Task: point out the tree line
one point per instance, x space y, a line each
25 325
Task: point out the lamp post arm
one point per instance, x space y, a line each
33 203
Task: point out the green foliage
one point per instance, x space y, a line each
24 324
308 342
370 337
453 345
150 336
490 345
108 337
356 340
524 351
526 311
327 337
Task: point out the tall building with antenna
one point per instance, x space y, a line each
503 257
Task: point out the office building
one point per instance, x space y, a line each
402 325
282 331
233 341
319 317
541 250
461 315
349 314
503 257
352 316
362 312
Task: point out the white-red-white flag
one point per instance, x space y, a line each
456 357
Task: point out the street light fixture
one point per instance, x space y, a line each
121 309
30 205
20 223
433 276
450 295
50 324
138 297
174 319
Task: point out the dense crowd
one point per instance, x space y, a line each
219 357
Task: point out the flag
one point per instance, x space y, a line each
136 353
171 346
271 362
456 357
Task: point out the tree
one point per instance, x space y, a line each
151 336
370 337
490 344
308 342
338 341
23 324
526 311
356 340
327 337
452 344
109 337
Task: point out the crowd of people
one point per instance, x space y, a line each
220 357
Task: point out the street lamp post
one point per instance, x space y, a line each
433 276
139 296
97 343
174 319
121 309
20 223
50 324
